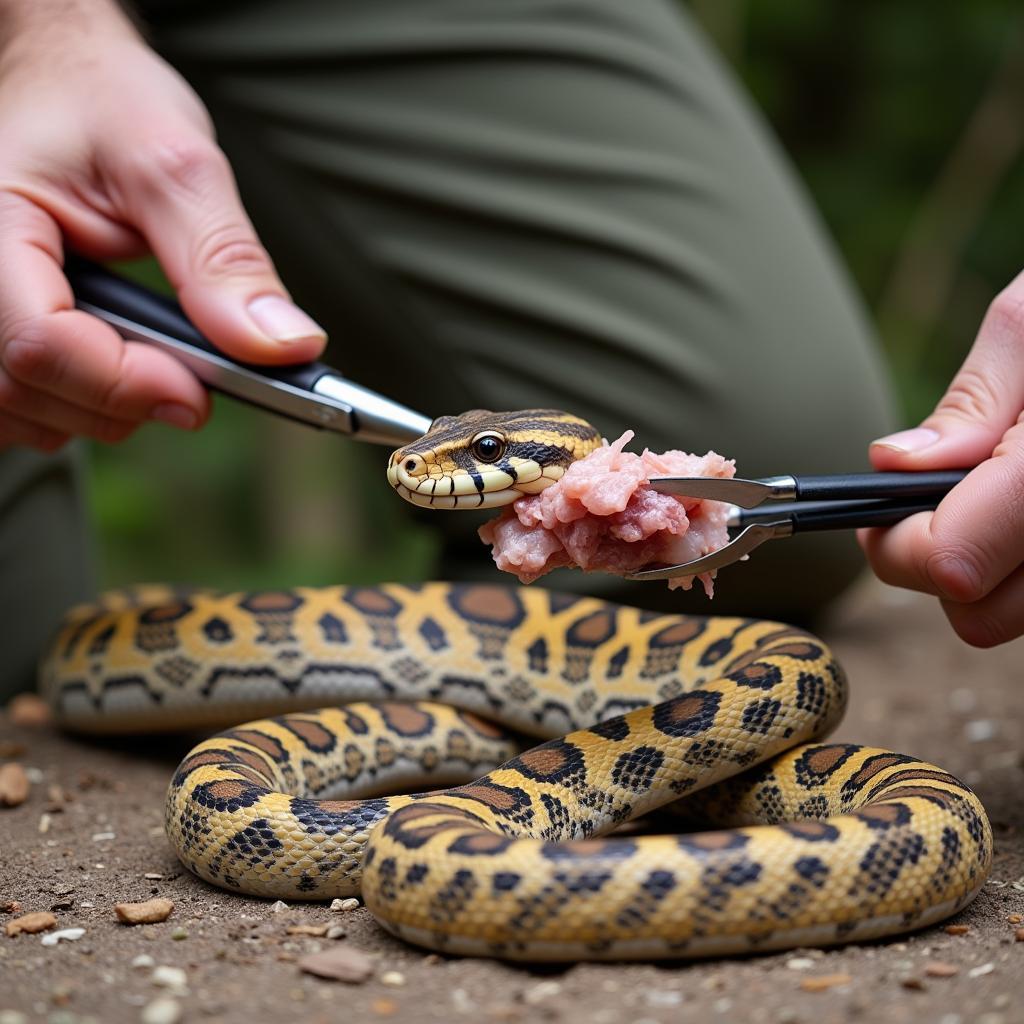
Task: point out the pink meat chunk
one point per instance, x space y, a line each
603 516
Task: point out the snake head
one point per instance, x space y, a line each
484 459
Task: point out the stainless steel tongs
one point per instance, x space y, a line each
779 506
311 393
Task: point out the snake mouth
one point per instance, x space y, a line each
492 499
492 488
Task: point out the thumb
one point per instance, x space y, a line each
184 199
980 405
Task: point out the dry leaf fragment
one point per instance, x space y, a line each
318 930
824 982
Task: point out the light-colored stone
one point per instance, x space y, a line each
340 963
163 1010
541 991
64 935
166 976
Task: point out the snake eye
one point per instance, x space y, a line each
488 447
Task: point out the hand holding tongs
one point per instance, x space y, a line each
311 393
779 506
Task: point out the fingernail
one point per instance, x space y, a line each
283 321
914 440
177 415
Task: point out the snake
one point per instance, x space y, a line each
386 751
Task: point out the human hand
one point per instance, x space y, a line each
969 552
103 146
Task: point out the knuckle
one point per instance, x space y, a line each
230 251
1006 312
185 163
972 396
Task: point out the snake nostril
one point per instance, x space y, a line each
414 465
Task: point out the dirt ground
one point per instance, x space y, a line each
915 688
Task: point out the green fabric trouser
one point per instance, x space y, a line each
547 203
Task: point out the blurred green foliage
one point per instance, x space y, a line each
906 120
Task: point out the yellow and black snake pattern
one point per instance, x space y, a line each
812 843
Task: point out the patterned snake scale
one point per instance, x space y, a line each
813 843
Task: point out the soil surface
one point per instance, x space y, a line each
96 839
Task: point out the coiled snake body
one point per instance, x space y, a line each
814 843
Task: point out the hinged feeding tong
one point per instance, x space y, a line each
780 506
310 392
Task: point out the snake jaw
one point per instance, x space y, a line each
444 469
462 490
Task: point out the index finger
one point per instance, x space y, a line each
47 344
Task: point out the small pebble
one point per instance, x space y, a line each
1019 934
824 982
14 785
980 730
914 984
800 963
163 1010
338 906
963 700
45 820
142 961
981 970
341 963
541 991
169 977
393 978
153 876
102 837
939 969
664 997
28 709
64 935
179 934
12 1017
384 1007
1015 918
39 921
957 929
278 906
148 912
335 931
462 1001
